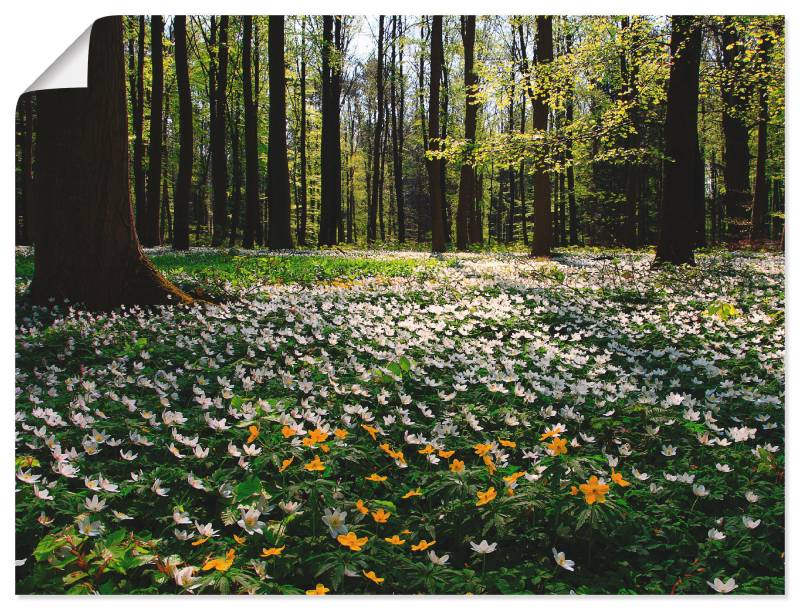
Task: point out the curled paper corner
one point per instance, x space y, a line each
70 70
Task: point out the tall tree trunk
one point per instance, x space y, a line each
219 159
152 230
466 187
236 158
542 215
86 245
434 164
629 65
446 213
331 180
758 224
372 228
259 233
25 214
736 168
336 86
303 203
183 187
677 236
250 136
397 134
139 186
280 230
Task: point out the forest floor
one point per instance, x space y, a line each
392 422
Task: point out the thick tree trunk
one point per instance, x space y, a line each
303 202
86 245
236 158
434 165
330 153
466 187
25 235
219 160
280 230
677 237
183 188
152 230
542 215
251 215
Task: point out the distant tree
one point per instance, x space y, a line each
152 230
139 184
397 94
758 221
86 244
372 216
280 232
677 236
183 187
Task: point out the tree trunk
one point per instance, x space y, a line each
466 187
758 224
372 228
434 164
219 160
280 230
236 158
251 215
542 215
303 203
330 153
397 138
139 185
86 245
25 235
677 236
151 236
183 187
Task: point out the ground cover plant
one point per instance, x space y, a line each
377 422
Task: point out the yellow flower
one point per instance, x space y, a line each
315 465
594 490
199 541
287 432
351 541
427 450
548 434
422 545
361 507
482 449
314 437
219 563
487 459
396 455
573 491
395 540
240 539
412 493
325 448
373 577
318 590
375 477
557 447
285 464
340 434
484 497
617 478
446 454
509 444
253 434
456 466
381 516
513 477
274 551
372 431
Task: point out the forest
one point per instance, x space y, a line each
439 304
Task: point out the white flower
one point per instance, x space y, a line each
436 560
723 587
561 560
700 491
750 523
87 527
484 547
715 534
249 521
184 577
751 496
95 504
335 520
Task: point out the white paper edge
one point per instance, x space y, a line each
70 70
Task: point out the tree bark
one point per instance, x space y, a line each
151 236
303 203
219 160
251 215
542 215
331 181
434 164
139 184
466 187
372 228
86 245
758 225
677 236
280 231
397 135
183 188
